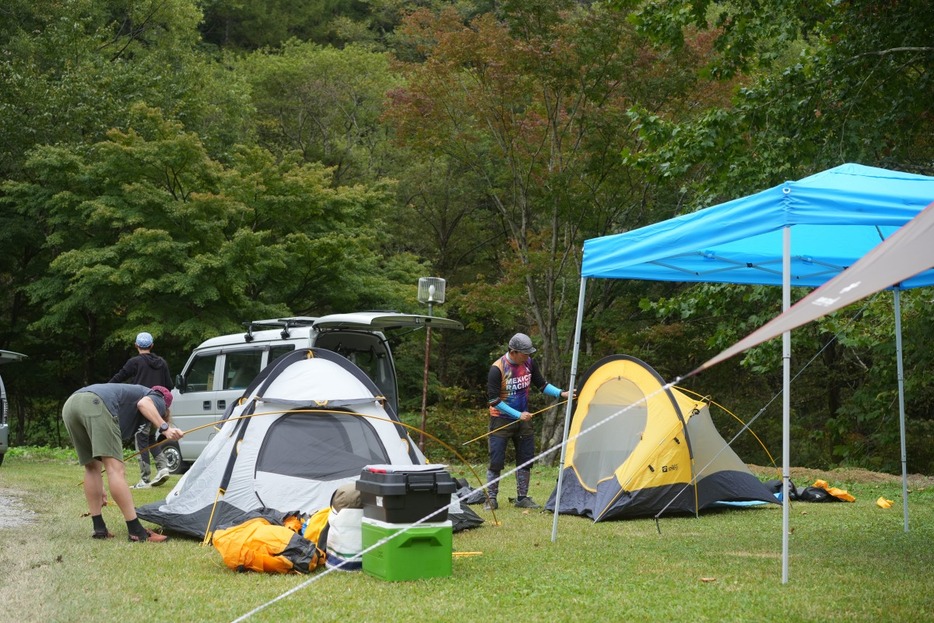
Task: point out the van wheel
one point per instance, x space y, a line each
173 457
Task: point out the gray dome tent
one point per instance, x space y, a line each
309 423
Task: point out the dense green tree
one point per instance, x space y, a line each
377 24
69 69
848 81
324 103
144 229
69 73
269 23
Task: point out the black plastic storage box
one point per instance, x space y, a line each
405 493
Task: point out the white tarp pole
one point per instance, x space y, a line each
905 253
570 404
786 400
901 400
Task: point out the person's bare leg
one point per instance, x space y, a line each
94 487
119 489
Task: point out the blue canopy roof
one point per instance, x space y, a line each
836 217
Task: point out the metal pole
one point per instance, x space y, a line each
569 407
786 401
421 435
901 401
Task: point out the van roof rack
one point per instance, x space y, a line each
275 323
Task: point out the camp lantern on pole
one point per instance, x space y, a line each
430 291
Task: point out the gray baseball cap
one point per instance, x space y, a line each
521 343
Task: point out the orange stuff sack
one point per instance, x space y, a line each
257 545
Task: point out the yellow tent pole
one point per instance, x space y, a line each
737 418
487 434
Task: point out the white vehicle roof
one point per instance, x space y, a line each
301 327
383 321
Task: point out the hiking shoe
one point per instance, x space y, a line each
102 534
161 476
142 484
490 504
525 502
151 536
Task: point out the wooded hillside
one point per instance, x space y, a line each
183 166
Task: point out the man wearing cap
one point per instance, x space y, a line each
149 370
508 385
99 418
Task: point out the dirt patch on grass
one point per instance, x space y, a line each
13 513
803 476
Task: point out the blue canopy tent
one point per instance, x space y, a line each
800 233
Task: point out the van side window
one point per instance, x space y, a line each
277 351
241 368
200 376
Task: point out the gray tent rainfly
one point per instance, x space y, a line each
800 233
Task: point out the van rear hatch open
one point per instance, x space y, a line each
383 321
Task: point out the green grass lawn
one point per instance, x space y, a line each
849 562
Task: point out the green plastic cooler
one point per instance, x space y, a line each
422 551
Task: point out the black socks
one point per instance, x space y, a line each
136 528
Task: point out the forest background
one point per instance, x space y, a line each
183 166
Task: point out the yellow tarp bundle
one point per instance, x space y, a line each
840 494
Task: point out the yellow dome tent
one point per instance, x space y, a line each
653 450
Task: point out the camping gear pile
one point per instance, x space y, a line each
269 542
820 491
344 538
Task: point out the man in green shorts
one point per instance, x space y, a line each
99 418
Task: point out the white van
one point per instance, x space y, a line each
6 356
221 368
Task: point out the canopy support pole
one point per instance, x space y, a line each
786 400
569 407
901 400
